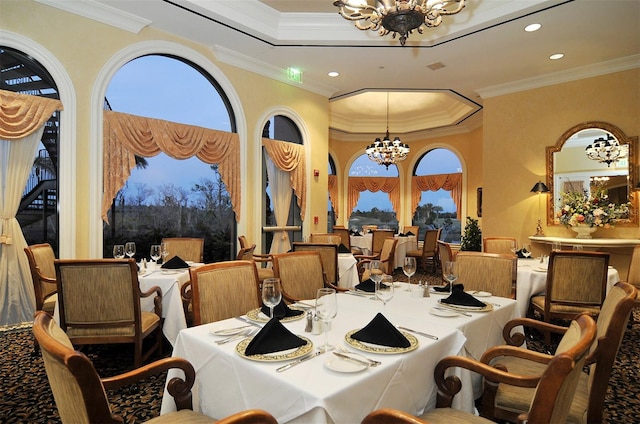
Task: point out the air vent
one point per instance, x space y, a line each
436 66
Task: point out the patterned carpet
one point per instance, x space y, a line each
26 397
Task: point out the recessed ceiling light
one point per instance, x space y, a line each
333 74
556 56
532 27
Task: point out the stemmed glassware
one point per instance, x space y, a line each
271 294
118 251
326 309
384 291
450 274
155 252
375 271
164 252
130 249
409 268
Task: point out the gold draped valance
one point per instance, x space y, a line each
449 182
389 185
22 115
333 193
128 135
289 157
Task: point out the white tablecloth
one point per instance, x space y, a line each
532 279
347 271
404 244
227 383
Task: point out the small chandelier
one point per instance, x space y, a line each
606 150
387 152
397 16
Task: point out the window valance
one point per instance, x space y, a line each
389 185
333 193
128 135
22 115
449 182
290 157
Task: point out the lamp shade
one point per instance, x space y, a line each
540 187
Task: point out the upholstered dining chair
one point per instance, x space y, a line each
43 274
501 245
490 272
264 262
429 251
633 273
99 303
377 240
345 239
223 290
554 391
413 229
328 254
301 275
81 395
506 402
386 258
445 254
187 248
576 282
332 238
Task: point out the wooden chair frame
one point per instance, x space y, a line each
445 254
429 250
44 286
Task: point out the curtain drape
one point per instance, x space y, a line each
281 193
449 182
22 121
333 194
389 185
128 135
290 157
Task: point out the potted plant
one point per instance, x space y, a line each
472 236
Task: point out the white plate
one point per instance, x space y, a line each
338 364
479 293
170 271
488 307
441 313
257 315
229 331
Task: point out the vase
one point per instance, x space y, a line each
584 232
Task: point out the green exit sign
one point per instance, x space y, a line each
294 74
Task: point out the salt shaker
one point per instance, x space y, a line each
317 325
309 326
425 289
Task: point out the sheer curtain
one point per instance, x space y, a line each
281 193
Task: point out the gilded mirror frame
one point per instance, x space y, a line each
622 138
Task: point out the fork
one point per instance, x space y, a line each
246 333
371 361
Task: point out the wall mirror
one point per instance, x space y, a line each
570 169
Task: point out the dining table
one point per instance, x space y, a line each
532 280
405 244
327 389
347 271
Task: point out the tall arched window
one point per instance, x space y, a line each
167 197
38 210
375 201
440 169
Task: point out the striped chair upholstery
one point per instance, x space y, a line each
491 272
633 273
506 402
99 303
429 251
187 248
43 274
345 239
301 274
501 245
386 258
332 238
377 240
329 256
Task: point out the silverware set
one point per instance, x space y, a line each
455 311
356 357
244 333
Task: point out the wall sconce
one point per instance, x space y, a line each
539 188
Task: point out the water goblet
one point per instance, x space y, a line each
556 246
450 274
271 294
375 271
384 291
409 268
118 251
164 251
327 309
130 249
155 252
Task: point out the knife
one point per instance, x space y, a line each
351 358
298 361
446 308
429 336
248 321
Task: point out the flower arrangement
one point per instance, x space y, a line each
595 210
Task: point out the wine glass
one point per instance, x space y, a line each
130 249
155 252
118 251
326 309
271 293
164 251
384 290
375 271
409 268
450 273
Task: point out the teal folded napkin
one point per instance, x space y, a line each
381 332
274 337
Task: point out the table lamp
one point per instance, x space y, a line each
539 188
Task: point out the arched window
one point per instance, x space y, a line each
167 197
378 189
440 169
38 211
280 202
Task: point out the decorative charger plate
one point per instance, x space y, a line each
284 355
444 313
488 307
371 348
257 315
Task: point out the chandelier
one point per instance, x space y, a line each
397 16
606 150
387 152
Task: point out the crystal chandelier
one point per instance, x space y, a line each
397 16
606 150
387 152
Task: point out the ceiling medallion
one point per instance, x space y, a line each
397 16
